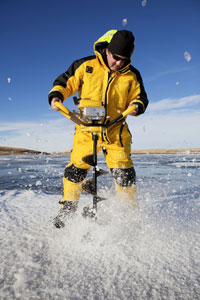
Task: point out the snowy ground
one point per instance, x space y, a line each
151 254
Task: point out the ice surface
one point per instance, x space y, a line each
150 254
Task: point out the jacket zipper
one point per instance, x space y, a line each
110 78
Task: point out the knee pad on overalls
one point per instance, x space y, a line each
125 183
124 177
72 182
74 174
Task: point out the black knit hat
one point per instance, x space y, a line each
122 43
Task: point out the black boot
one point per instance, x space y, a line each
67 211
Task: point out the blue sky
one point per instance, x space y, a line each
40 39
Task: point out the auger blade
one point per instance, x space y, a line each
100 172
88 186
91 212
99 199
89 159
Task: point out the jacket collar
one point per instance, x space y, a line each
101 55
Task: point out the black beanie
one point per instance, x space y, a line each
122 43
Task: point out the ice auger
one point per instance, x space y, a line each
91 118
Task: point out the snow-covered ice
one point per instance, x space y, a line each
150 254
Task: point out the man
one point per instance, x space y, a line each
108 78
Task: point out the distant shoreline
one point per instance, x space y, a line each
23 151
167 151
19 151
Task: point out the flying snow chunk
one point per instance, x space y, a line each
9 98
9 79
187 56
177 83
144 2
124 22
38 182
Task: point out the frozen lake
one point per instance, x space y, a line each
150 254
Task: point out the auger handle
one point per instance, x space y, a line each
129 110
123 115
67 113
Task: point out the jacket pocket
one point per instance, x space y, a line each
125 136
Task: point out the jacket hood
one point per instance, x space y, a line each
101 44
105 39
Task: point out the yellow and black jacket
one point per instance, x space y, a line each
93 79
